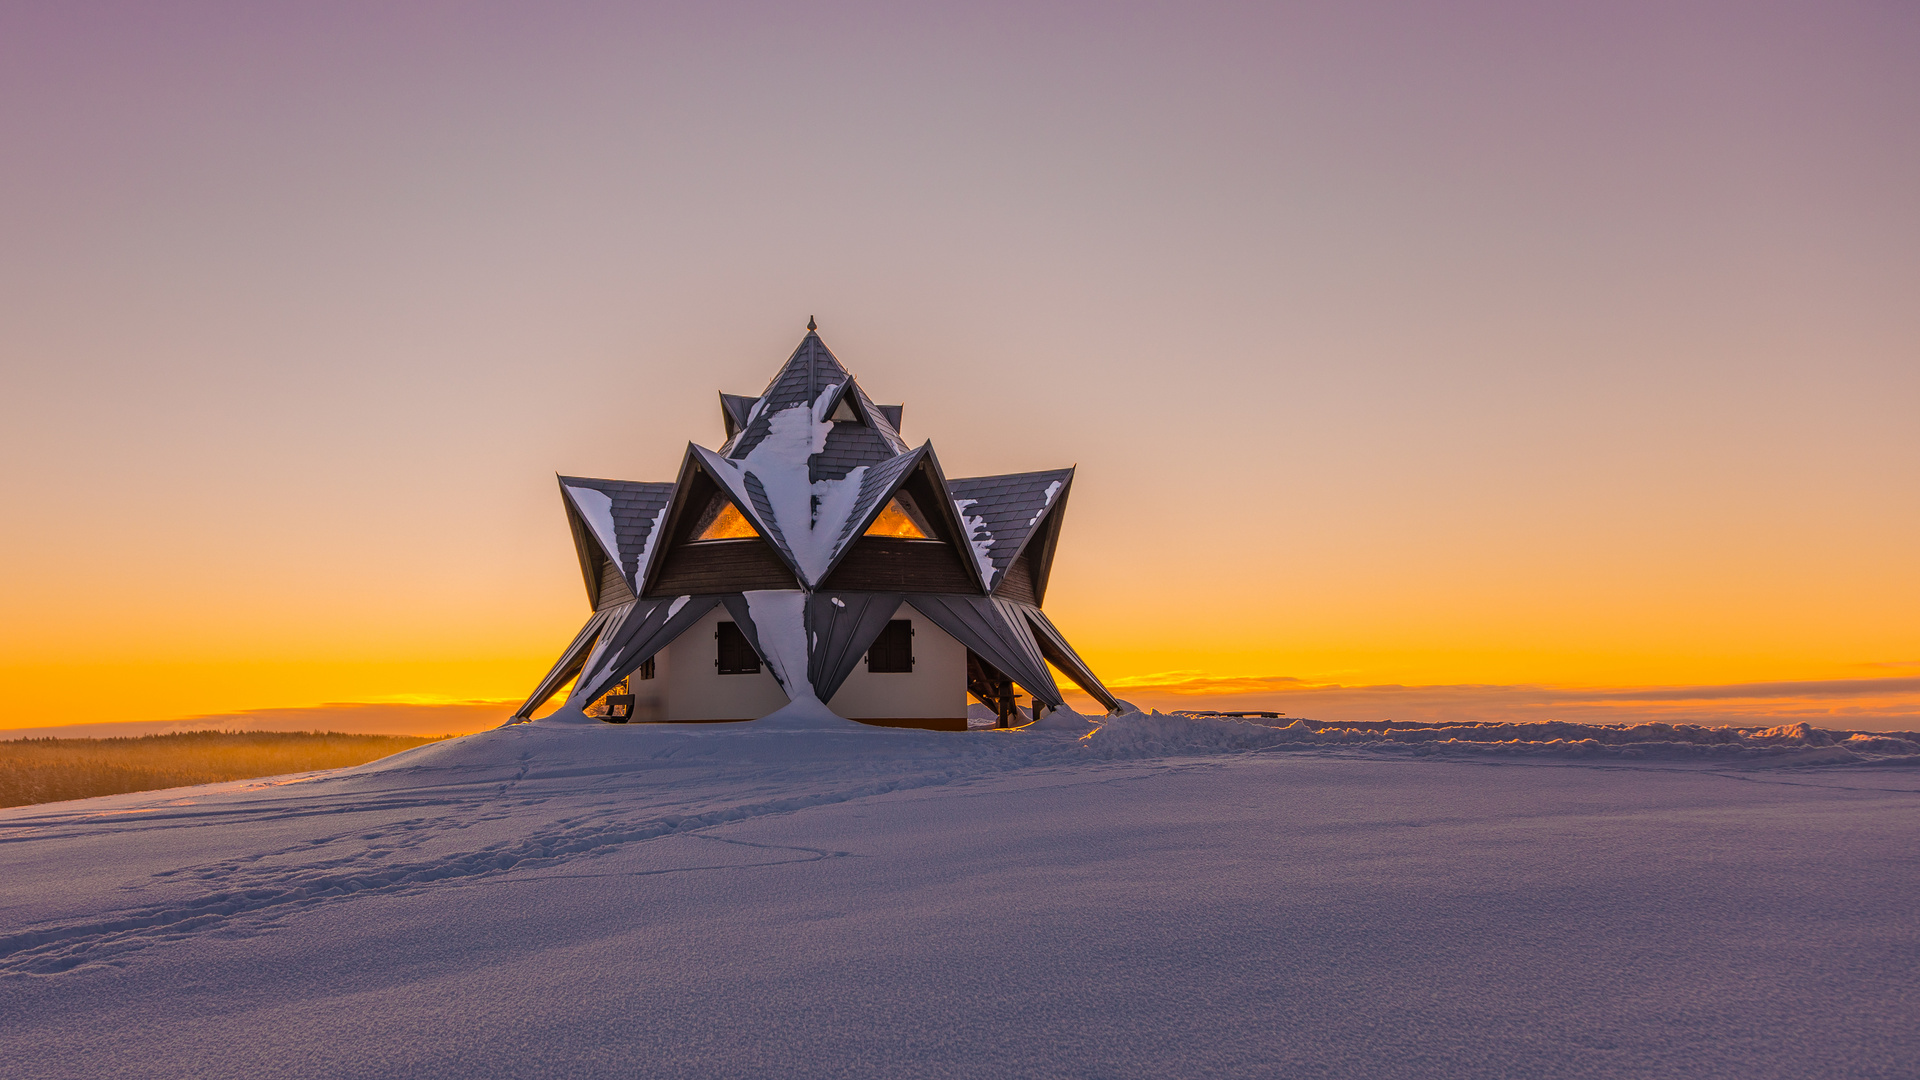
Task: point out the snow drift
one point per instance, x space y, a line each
1143 895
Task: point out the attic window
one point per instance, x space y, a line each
843 413
900 519
723 521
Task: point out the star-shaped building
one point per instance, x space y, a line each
815 556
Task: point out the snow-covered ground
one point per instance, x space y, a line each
810 898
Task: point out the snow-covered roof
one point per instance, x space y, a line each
809 463
734 410
809 372
1001 512
622 516
810 483
877 482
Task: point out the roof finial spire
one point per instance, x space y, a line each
810 325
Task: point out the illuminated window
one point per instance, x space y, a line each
898 520
723 521
843 413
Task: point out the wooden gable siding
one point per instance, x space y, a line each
1017 582
889 564
613 587
712 566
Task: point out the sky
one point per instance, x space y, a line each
1508 351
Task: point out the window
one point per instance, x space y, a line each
892 652
843 412
900 519
646 668
736 655
723 521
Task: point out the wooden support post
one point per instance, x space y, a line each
1006 703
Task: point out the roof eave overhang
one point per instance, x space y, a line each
585 544
1045 525
1052 519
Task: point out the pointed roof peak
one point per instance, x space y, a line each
810 325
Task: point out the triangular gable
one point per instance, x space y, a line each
877 485
813 377
1042 541
1004 513
844 405
735 411
880 418
598 554
621 518
749 494
689 499
848 446
588 548
998 632
810 370
881 483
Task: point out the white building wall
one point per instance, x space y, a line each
936 688
650 695
695 689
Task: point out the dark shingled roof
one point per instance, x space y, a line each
635 506
1011 506
880 418
811 369
734 409
808 371
849 446
763 509
1012 636
875 484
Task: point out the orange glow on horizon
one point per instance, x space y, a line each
1505 381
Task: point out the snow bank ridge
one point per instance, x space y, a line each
1792 744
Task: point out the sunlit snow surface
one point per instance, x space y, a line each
807 897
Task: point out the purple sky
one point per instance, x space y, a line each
1423 343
